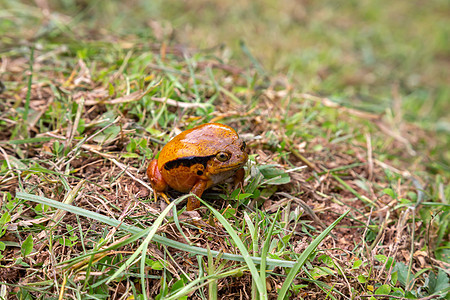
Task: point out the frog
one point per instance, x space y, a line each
197 159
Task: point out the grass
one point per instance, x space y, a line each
343 107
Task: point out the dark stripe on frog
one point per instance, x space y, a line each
187 162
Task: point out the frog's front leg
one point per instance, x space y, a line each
198 189
238 179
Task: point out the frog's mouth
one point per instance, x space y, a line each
230 168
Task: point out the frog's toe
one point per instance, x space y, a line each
165 197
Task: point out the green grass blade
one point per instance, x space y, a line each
30 81
254 238
259 68
212 285
28 141
352 190
178 225
265 248
301 261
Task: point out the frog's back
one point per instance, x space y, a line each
201 141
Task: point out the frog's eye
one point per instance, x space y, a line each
222 156
243 146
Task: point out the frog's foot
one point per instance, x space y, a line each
192 204
165 198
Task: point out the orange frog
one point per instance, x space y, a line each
198 159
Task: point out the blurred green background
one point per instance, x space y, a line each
363 54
